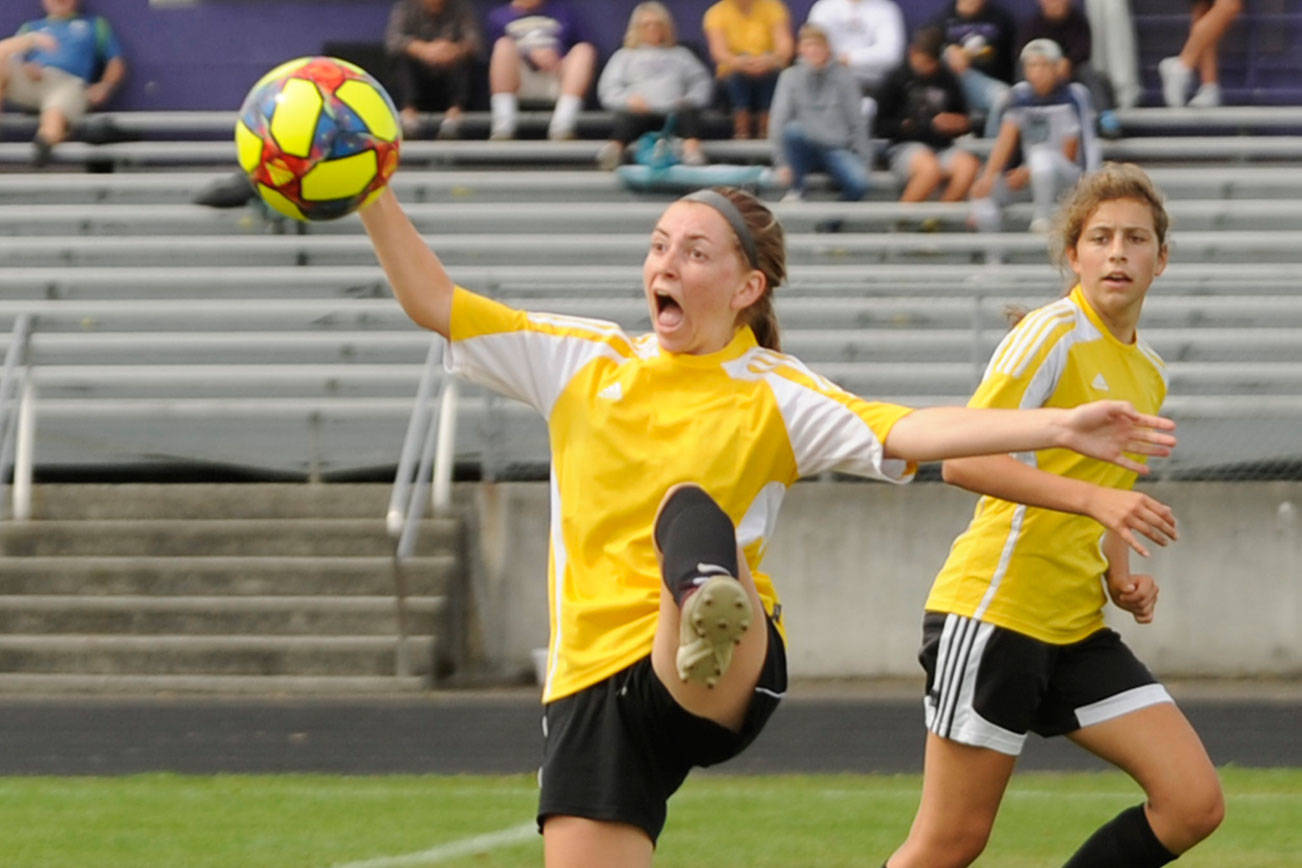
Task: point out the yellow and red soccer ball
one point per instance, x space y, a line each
318 137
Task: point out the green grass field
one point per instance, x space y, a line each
796 820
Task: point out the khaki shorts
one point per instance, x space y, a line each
54 89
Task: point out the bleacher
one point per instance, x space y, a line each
171 333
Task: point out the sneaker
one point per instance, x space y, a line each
501 134
1040 226
41 151
793 195
450 127
409 120
1208 96
1176 79
610 156
561 134
714 618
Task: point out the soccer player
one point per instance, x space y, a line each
671 453
1013 636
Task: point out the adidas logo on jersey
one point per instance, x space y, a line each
1099 383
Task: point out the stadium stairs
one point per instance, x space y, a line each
169 334
237 588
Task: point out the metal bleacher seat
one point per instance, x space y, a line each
171 332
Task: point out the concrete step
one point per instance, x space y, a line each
212 655
161 537
201 616
209 500
210 576
50 684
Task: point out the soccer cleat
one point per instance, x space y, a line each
1176 80
714 618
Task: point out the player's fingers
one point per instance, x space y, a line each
1132 541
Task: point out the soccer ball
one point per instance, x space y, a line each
318 137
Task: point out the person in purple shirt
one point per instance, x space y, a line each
979 50
60 66
539 55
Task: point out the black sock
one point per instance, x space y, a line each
696 538
1125 841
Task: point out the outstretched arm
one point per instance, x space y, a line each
1123 512
418 278
1102 429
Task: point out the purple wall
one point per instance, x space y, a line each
207 55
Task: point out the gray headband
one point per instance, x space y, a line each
730 212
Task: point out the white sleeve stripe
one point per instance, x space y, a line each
1013 343
1032 341
517 365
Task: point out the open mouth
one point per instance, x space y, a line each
1117 277
669 312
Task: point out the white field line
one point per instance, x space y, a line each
453 849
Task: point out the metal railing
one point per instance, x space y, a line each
430 430
17 421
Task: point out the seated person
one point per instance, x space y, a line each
750 42
648 79
1065 24
60 66
979 50
817 123
921 110
539 56
432 43
1052 121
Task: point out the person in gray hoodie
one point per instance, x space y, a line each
648 79
816 123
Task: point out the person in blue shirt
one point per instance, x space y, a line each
60 66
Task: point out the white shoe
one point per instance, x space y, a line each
1040 226
714 618
793 195
610 156
1176 80
1208 96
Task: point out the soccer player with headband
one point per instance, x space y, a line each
671 452
1013 638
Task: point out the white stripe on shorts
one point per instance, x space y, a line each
1123 703
951 715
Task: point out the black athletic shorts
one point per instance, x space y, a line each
988 686
616 751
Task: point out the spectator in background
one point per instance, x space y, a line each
817 122
1065 24
1052 121
432 43
1115 53
60 66
648 79
538 56
750 43
867 37
1211 18
921 110
979 50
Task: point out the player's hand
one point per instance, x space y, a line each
1136 594
1126 513
1109 429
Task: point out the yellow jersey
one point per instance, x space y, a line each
1039 571
627 420
749 33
